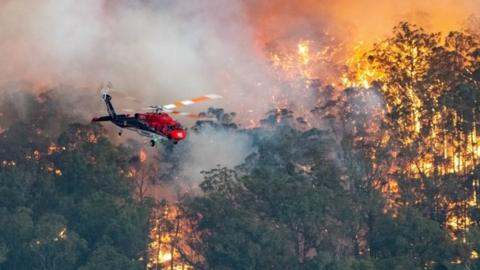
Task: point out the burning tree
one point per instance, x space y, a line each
170 230
405 126
426 151
389 178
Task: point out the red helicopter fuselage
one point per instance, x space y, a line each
151 124
163 124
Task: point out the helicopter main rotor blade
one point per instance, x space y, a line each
168 108
187 114
189 101
191 115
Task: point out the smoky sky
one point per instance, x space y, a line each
162 51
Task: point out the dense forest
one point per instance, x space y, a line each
65 200
385 176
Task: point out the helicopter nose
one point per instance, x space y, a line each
179 134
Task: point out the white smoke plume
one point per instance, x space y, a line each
167 50
160 51
211 148
163 51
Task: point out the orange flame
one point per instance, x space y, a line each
168 231
142 155
459 153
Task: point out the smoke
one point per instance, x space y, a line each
354 20
209 148
160 52
168 50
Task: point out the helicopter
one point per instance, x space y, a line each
156 124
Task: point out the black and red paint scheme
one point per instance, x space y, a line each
154 125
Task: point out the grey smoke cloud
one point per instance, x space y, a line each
158 52
210 148
163 51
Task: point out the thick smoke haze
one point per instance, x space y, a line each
158 52
163 51
211 148
354 20
168 50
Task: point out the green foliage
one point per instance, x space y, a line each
311 199
286 207
410 239
216 118
304 199
107 258
65 201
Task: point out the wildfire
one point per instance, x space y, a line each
167 233
62 235
142 155
9 163
303 61
360 71
52 169
92 138
304 51
53 148
441 151
132 172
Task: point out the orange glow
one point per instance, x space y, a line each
459 153
361 72
53 148
92 138
62 235
167 233
303 60
131 172
142 155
